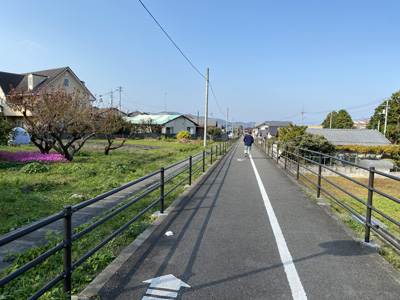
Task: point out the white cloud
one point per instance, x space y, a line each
32 45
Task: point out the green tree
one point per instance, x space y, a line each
288 134
240 129
393 118
314 142
340 120
214 131
329 120
5 128
343 120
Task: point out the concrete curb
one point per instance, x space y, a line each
97 284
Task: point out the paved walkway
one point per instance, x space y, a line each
247 231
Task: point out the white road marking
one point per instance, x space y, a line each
298 292
169 282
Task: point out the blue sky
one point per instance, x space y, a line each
268 60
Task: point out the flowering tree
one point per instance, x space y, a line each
109 123
56 119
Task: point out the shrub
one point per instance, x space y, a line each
120 167
34 167
183 135
9 165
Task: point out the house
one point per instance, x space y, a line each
268 129
200 124
111 111
171 124
35 81
135 113
342 137
362 137
360 124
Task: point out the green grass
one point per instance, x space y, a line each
28 197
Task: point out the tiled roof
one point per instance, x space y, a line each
21 80
277 123
48 75
154 119
7 79
200 121
352 136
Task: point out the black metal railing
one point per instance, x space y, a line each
307 163
198 161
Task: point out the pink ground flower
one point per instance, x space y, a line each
24 156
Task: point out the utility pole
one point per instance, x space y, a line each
302 116
226 127
205 117
386 116
119 102
112 99
330 122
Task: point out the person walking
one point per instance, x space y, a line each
248 141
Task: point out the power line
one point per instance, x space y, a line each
172 40
187 59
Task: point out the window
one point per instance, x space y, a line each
19 123
66 82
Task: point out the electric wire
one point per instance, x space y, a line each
187 59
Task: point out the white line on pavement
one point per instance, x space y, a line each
298 292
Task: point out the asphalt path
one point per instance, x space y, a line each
248 231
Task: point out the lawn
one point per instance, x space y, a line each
27 197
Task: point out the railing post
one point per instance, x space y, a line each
319 175
67 251
204 160
286 156
211 154
298 164
162 190
272 150
369 204
277 153
190 170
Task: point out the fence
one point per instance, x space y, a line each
192 165
317 170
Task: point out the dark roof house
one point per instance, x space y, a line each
36 81
271 128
